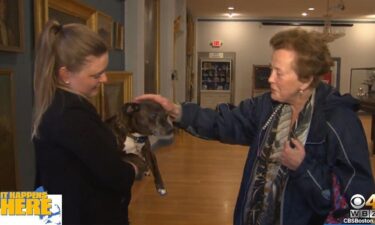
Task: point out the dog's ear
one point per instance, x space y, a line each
130 108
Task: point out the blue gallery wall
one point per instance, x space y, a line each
22 66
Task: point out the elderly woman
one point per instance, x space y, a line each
307 144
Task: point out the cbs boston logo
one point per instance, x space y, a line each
363 211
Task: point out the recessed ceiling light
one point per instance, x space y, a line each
230 8
231 14
311 9
304 14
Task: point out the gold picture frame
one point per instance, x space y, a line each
12 26
104 27
66 11
115 92
8 159
118 36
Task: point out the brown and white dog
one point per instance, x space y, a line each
132 126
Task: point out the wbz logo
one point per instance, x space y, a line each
358 202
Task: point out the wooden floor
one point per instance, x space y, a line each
202 179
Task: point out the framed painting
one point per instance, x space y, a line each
11 26
118 36
67 11
261 73
7 132
104 27
115 92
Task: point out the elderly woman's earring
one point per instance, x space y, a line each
301 92
67 82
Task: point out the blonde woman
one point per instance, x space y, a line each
75 152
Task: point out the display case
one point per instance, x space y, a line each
215 79
216 75
362 81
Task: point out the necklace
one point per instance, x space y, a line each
272 116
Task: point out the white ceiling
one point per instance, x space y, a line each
282 9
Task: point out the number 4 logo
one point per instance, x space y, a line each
371 201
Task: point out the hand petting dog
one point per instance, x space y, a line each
173 110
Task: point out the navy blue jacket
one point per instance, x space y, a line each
336 143
77 156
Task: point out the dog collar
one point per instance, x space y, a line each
138 138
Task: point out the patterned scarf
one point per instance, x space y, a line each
263 206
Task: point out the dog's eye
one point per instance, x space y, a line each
153 116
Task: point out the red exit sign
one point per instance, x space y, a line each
216 43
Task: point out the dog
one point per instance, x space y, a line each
132 126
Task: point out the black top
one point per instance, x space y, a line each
76 156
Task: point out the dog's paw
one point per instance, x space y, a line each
162 191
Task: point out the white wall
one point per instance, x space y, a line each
134 43
167 14
169 48
250 41
134 46
180 51
356 49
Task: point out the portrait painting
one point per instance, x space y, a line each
113 98
67 11
119 36
7 132
11 25
64 18
115 92
105 28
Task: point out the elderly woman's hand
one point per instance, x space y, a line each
173 110
293 157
